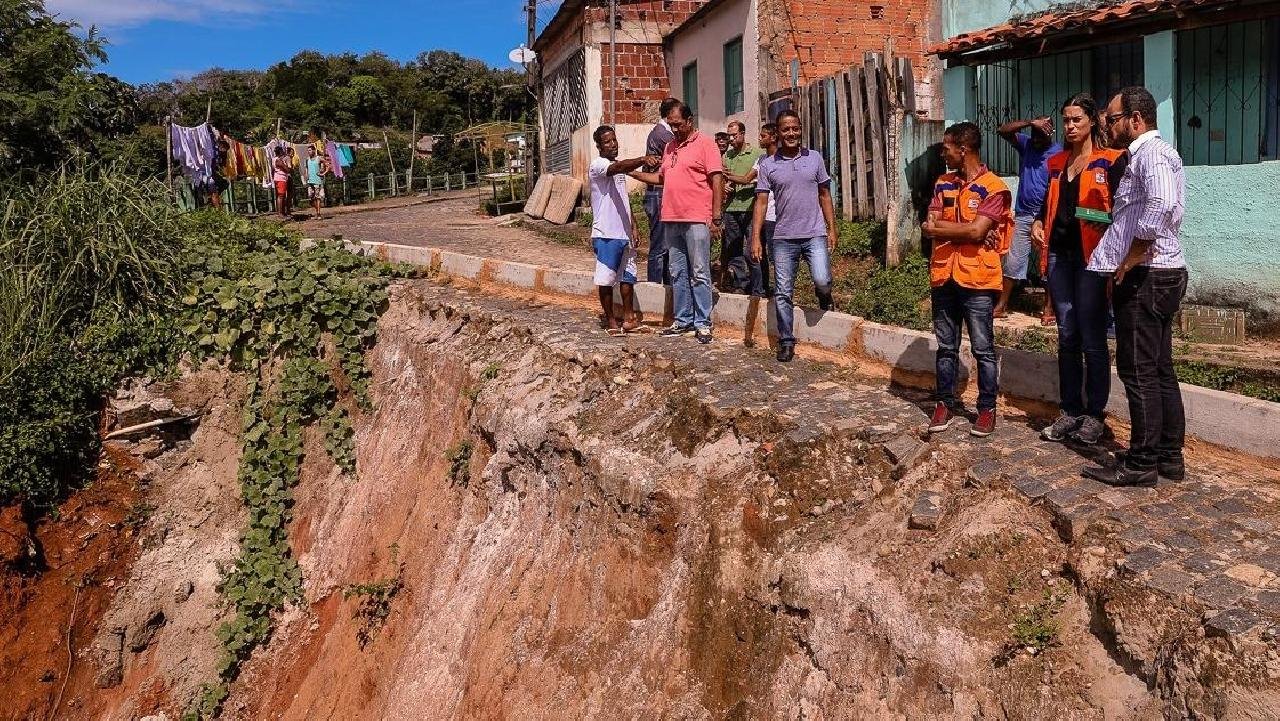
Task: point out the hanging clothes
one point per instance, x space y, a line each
346 157
195 152
331 152
300 160
262 160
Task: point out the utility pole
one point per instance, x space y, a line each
613 62
531 10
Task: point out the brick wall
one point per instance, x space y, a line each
642 82
658 11
830 35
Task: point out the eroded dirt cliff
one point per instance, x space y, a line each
550 523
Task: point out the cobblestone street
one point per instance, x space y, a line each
451 224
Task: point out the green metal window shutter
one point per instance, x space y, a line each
733 99
1222 93
690 76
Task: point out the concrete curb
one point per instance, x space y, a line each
1227 419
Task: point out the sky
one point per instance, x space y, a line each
155 40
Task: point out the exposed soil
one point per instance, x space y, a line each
74 562
577 526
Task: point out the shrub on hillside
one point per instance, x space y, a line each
90 260
895 296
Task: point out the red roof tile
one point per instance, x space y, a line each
1053 23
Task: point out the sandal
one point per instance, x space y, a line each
616 332
1048 321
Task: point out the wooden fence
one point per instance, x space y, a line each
854 118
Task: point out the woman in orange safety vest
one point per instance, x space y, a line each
1076 212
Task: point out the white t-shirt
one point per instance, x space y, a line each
770 212
610 208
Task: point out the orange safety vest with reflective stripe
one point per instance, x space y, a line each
1095 199
972 265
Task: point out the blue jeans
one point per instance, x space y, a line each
786 259
1080 302
689 248
952 305
1016 260
657 270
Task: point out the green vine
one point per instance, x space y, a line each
298 320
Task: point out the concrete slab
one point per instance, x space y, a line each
569 282
461 266
412 254
521 275
829 328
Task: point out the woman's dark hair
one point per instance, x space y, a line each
279 150
1089 107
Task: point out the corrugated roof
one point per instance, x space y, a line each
1094 15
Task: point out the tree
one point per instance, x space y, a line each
52 106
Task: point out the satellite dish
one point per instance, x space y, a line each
522 55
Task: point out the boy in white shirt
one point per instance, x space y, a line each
613 233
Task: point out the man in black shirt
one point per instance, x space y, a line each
657 270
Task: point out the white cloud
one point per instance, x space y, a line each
127 13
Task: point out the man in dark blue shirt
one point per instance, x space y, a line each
1035 147
657 270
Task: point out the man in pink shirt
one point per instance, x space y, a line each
692 176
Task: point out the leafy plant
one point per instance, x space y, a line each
895 296
859 238
375 603
1035 627
459 457
296 319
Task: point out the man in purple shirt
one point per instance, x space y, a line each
797 179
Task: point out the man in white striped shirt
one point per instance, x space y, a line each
1141 252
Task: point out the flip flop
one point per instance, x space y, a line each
1048 321
616 332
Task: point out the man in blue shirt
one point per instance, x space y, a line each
1035 147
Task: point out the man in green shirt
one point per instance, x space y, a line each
735 265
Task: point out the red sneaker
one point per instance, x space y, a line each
986 424
942 418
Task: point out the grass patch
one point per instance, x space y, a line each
1035 627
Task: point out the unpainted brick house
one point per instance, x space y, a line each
584 84
732 57
726 58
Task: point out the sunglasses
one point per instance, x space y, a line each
1112 118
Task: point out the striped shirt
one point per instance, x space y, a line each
1148 206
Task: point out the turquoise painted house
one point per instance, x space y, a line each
1214 68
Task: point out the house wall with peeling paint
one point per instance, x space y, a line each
1231 225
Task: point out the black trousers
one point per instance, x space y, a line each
1145 306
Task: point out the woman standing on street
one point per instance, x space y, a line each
1076 212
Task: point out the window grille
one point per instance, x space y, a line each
1227 93
1031 87
564 98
